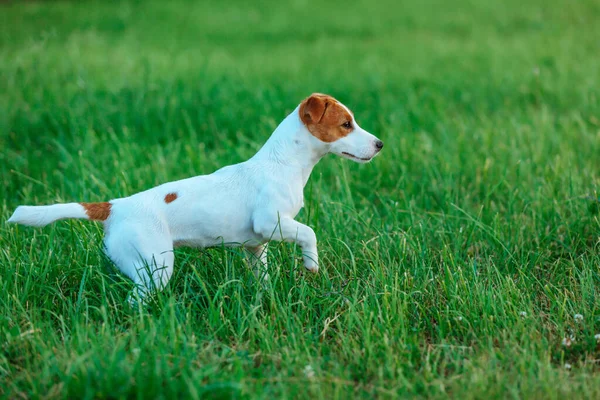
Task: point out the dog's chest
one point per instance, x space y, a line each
298 204
295 196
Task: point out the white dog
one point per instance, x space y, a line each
245 204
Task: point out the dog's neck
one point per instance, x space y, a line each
291 145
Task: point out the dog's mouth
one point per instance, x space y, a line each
353 157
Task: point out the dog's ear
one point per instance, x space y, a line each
313 108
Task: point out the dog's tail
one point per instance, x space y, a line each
43 215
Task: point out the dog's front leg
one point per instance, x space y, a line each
289 230
258 262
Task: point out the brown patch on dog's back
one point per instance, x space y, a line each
171 197
325 117
97 211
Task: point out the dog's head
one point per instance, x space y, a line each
334 125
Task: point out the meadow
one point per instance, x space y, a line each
462 262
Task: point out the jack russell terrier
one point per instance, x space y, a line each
245 204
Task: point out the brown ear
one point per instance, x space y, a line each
313 108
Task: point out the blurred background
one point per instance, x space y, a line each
456 89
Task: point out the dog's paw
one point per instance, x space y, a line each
312 268
311 265
311 261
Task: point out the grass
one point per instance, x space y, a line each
452 265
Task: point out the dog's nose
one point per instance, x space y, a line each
379 144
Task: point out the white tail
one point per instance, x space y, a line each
43 215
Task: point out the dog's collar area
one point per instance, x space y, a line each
354 157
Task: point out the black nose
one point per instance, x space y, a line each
379 144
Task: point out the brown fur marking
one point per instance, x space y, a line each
324 117
97 211
170 197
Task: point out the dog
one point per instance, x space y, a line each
246 204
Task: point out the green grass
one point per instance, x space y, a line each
482 206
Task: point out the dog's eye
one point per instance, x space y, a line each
347 125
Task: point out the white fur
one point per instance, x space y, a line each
243 204
43 215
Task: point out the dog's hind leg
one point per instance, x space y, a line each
153 272
146 259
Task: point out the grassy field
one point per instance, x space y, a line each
463 262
